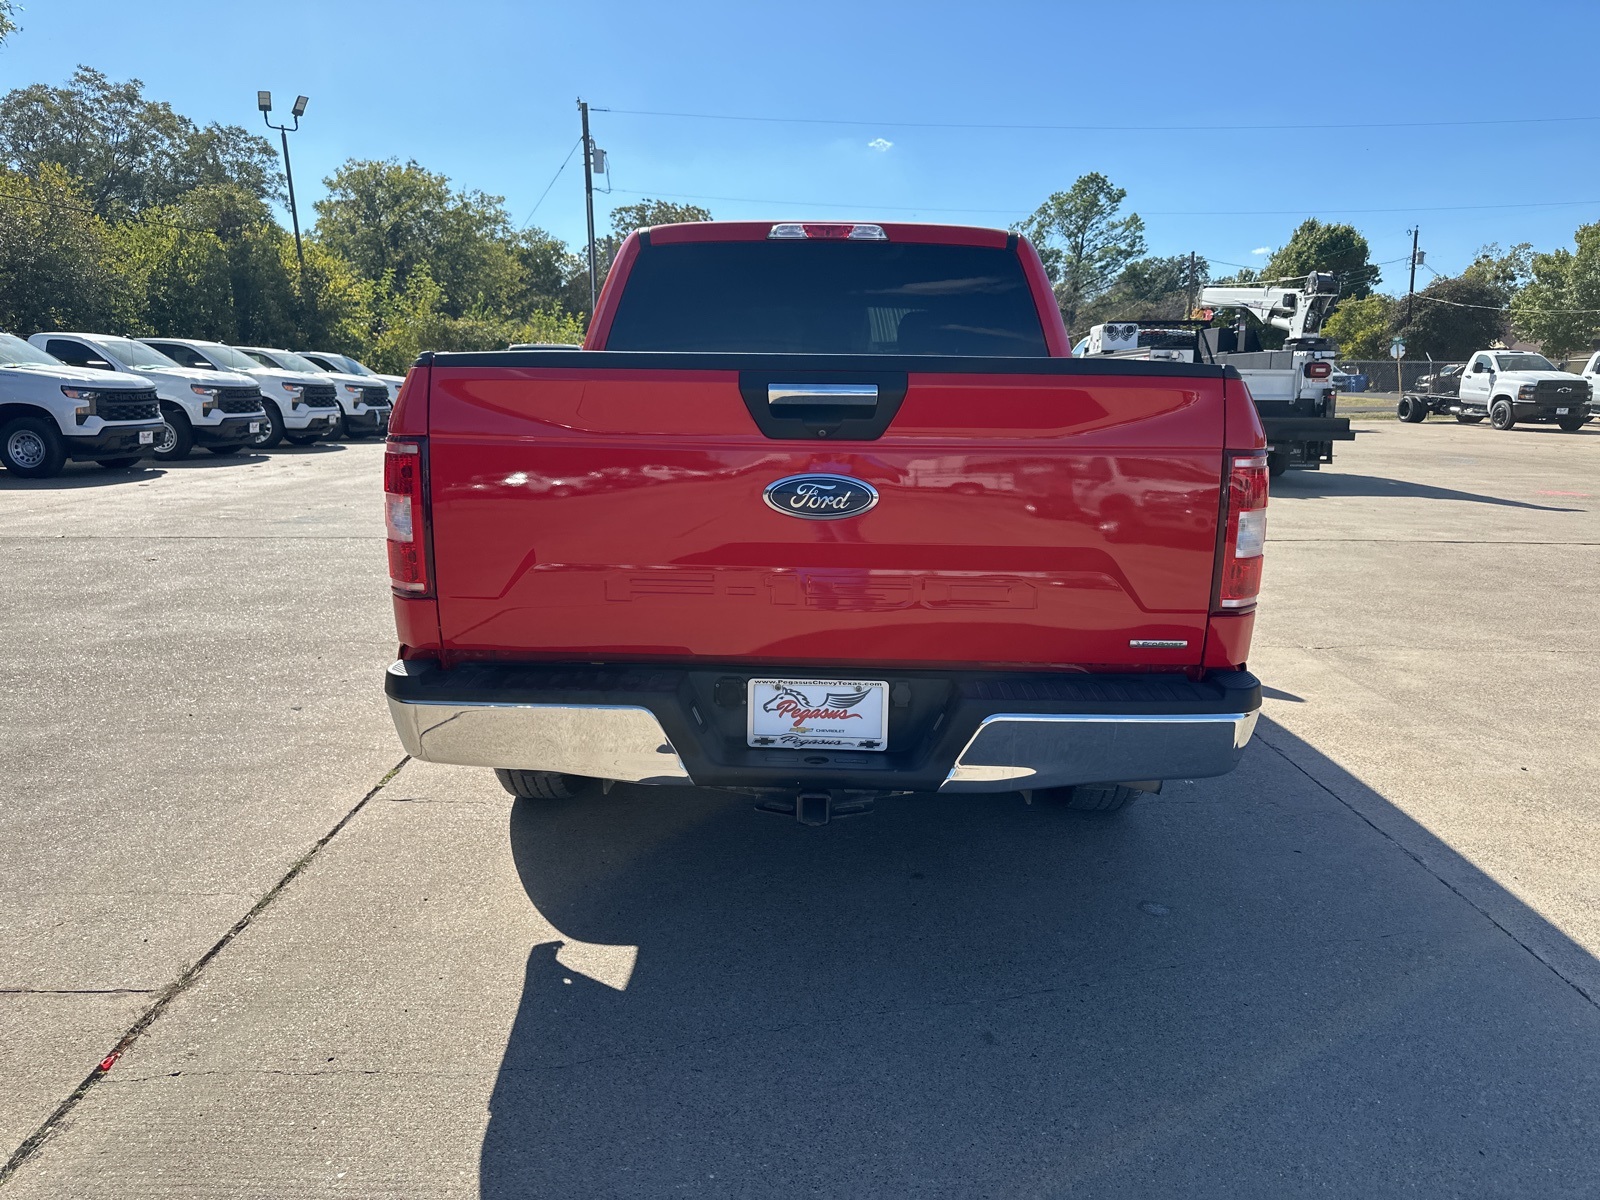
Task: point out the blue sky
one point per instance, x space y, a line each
484 92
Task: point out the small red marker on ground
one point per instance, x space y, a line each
108 1060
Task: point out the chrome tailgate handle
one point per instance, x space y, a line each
836 395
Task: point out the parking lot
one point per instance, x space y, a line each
1364 964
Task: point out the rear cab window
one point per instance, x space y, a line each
828 297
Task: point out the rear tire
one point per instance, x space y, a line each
1411 410
1097 797
32 448
544 785
119 464
1501 415
1571 424
1469 420
176 437
271 427
1277 464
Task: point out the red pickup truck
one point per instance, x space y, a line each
823 512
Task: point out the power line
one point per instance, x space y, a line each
993 125
1266 212
1574 312
551 184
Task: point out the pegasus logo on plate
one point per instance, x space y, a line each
820 497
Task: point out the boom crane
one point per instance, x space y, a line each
1293 388
1298 311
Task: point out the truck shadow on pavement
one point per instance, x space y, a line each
1243 987
76 476
1320 484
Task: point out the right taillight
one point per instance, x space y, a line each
1245 537
405 515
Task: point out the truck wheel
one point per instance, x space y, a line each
225 451
1098 797
1466 420
303 439
32 448
1570 424
1412 411
1277 463
175 438
271 428
119 464
1501 416
543 785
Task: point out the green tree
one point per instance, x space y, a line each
396 217
1451 318
8 19
1510 271
1361 327
1083 241
1560 306
175 281
1315 246
128 153
1149 289
55 269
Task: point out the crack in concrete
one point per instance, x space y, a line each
26 991
1423 863
179 985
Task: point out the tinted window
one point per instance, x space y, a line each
74 354
816 297
183 355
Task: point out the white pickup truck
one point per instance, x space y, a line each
214 409
363 402
299 406
50 412
1511 386
330 360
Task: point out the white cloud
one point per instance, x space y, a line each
879 144
1262 250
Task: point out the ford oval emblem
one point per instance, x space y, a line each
820 497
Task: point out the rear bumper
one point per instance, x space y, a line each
951 732
1280 430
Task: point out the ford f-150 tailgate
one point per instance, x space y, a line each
611 505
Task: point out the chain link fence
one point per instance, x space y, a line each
1378 375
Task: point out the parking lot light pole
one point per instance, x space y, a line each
264 103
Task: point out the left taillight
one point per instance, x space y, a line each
405 515
1245 537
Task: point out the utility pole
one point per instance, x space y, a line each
1411 289
1194 280
588 196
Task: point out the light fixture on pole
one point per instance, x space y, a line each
264 103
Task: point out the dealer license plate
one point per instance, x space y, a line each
1561 412
255 426
147 437
841 714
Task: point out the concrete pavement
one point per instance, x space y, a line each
1363 964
